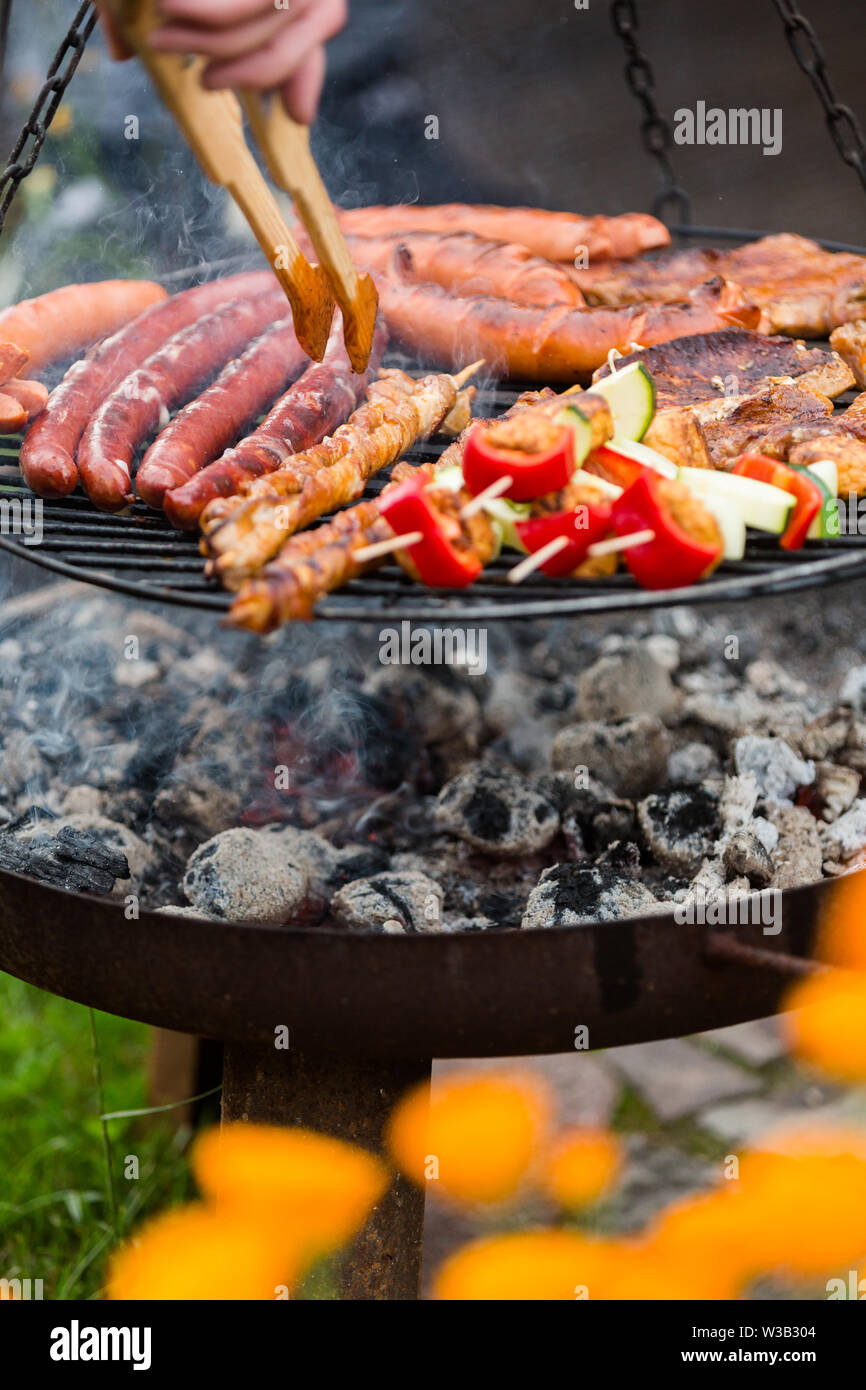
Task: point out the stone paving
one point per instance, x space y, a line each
680 1106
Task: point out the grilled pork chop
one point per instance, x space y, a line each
802 290
850 343
732 361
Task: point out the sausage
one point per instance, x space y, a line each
48 452
554 235
169 377
64 321
558 344
13 416
12 359
31 394
309 411
469 265
204 428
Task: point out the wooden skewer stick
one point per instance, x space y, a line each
380 548
617 543
461 378
480 500
537 559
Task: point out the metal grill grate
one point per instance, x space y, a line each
140 554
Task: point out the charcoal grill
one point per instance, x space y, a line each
367 1012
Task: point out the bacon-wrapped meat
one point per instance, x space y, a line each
399 411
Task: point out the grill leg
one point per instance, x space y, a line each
349 1098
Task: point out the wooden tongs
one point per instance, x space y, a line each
212 122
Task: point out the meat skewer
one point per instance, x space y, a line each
166 379
555 235
398 412
558 344
48 453
317 562
469 265
55 325
203 429
312 409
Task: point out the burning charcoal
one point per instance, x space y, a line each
680 829
725 712
244 876
847 835
172 910
98 841
569 895
197 806
630 681
692 764
826 735
834 790
391 902
135 674
631 754
83 800
72 859
591 811
622 855
771 680
798 857
853 690
496 811
465 924
745 856
775 766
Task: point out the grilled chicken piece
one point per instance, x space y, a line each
712 433
734 361
850 343
802 290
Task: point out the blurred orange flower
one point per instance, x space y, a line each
311 1191
580 1166
196 1252
711 1236
477 1136
827 1025
842 933
547 1265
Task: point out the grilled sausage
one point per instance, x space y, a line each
554 235
309 411
13 416
12 359
558 344
31 394
204 428
170 376
48 452
55 325
469 265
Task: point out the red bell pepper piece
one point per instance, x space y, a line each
439 563
534 475
808 494
672 558
615 467
582 527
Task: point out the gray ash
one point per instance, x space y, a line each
586 776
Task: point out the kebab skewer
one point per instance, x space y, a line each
399 411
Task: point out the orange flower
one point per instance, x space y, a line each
195 1252
842 934
477 1136
581 1165
647 1273
827 1027
708 1239
314 1191
543 1265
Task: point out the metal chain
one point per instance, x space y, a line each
844 126
29 143
655 131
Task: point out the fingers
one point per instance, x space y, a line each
276 61
222 14
302 91
219 43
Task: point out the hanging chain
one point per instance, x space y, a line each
29 143
655 131
844 126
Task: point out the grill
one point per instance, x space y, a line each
138 553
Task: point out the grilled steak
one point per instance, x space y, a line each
850 343
733 361
801 289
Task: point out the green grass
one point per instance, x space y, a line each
56 1219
